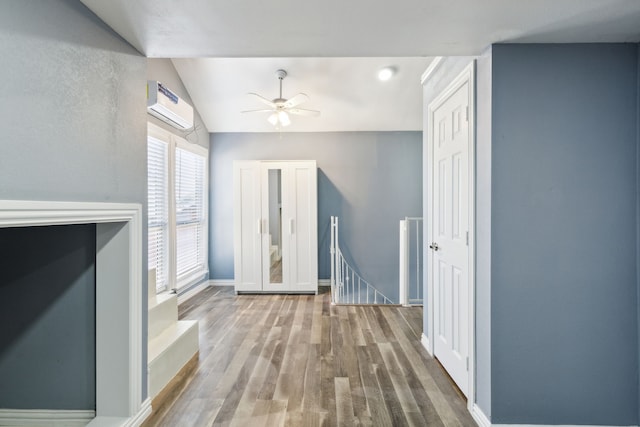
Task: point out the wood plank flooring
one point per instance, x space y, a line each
296 360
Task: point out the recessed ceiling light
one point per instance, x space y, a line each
386 73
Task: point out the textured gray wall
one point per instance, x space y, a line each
73 108
370 180
564 327
47 313
162 70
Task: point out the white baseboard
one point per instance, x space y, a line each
553 425
482 420
134 421
141 416
192 292
45 417
229 282
424 340
480 417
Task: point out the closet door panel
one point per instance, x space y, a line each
247 209
275 261
303 226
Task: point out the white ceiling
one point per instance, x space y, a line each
332 48
345 90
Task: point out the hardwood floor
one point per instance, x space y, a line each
296 360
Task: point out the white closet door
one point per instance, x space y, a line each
302 228
276 230
247 214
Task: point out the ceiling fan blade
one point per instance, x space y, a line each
296 100
264 100
303 112
266 110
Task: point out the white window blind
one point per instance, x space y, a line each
158 210
190 179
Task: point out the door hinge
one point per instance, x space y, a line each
467 363
467 238
466 114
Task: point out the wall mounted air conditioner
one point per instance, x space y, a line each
168 107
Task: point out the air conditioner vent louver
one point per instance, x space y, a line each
168 107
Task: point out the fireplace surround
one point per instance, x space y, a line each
119 310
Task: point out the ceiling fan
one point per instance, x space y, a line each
280 108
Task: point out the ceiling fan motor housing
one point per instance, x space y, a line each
281 107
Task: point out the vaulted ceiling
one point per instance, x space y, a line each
332 49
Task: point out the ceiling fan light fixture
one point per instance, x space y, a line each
386 73
273 119
281 108
283 117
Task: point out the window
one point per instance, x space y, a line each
177 185
190 213
158 209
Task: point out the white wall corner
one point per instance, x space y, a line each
142 414
479 416
424 340
433 66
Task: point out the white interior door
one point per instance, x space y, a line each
450 224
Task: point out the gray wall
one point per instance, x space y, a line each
370 180
638 220
564 326
162 70
73 108
47 313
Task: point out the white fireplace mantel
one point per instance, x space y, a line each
119 308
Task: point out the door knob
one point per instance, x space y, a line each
434 246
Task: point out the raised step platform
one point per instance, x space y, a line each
163 312
172 343
169 352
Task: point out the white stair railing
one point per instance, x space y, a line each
410 280
347 286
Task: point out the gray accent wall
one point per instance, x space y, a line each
564 304
557 231
48 317
73 108
370 180
638 218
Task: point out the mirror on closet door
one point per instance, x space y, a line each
275 225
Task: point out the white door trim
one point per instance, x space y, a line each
467 76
